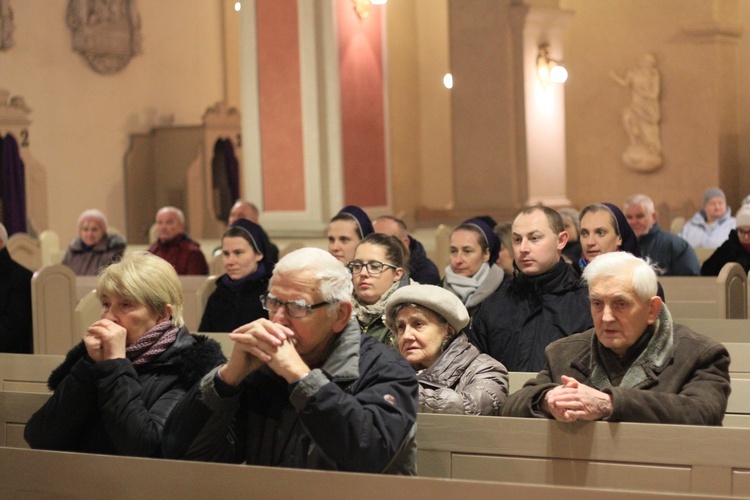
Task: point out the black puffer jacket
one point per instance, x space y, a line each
516 323
227 309
114 407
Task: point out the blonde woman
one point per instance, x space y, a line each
116 388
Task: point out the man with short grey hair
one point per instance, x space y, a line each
673 255
635 365
304 388
15 302
174 245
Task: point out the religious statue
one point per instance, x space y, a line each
642 116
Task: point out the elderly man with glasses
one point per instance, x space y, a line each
304 388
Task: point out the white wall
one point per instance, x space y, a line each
82 120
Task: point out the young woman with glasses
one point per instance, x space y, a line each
378 269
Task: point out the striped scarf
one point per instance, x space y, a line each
152 343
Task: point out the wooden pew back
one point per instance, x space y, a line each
25 250
53 300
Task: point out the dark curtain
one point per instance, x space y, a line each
12 187
226 178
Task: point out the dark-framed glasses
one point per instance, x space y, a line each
374 267
294 308
743 232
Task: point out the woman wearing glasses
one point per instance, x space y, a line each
454 377
378 269
473 274
236 300
735 249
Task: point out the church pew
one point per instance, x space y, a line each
670 458
223 339
26 250
725 296
46 474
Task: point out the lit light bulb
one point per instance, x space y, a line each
448 81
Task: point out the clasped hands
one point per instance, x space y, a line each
105 339
573 401
259 343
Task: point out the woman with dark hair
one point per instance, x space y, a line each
236 300
378 269
115 389
604 229
453 376
346 229
472 274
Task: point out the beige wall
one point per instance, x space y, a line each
699 104
82 120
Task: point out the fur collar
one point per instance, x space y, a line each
192 356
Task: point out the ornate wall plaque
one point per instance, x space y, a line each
6 25
106 32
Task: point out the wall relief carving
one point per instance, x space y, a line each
7 28
107 33
642 117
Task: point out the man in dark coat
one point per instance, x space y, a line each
544 301
673 255
305 388
16 333
634 365
421 268
175 246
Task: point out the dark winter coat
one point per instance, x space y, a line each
114 407
88 262
729 251
677 377
356 413
515 324
227 309
463 381
184 254
15 306
670 252
421 268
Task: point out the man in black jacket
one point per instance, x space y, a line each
421 268
544 302
304 388
15 302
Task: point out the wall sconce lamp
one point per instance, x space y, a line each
362 7
549 70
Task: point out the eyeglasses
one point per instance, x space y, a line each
374 267
294 308
743 232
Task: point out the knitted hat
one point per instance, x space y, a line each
493 242
360 217
743 216
254 234
627 235
437 299
713 193
93 215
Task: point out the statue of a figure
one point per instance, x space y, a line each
641 118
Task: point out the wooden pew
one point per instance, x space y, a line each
676 459
53 300
223 339
27 372
47 474
725 296
25 250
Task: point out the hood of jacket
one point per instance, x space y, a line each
107 243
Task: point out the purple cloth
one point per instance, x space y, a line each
13 187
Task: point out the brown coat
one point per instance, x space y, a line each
686 381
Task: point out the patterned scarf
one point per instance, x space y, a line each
152 343
366 314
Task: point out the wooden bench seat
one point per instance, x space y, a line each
46 474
